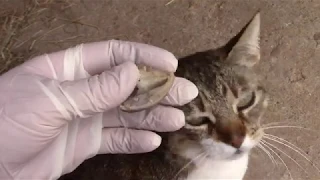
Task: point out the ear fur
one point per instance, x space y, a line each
245 50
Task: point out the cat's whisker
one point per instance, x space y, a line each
283 162
201 155
291 146
268 153
274 123
283 141
286 155
294 127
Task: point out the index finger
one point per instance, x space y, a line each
100 56
94 58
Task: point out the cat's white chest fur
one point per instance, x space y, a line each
220 169
215 160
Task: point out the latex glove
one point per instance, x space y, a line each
59 109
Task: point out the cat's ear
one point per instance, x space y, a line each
152 87
244 48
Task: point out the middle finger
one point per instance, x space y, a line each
159 118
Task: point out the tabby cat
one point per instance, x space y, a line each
222 123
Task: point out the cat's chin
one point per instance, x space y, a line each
221 151
209 148
238 154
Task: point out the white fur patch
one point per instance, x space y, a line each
248 144
222 161
209 169
218 150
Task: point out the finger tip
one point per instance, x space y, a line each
187 91
167 59
174 118
180 122
131 67
156 141
154 56
172 60
191 91
130 74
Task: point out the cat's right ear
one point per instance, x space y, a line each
244 48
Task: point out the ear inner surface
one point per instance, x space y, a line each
246 51
152 87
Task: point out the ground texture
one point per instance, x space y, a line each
289 42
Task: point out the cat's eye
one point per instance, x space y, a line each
246 101
201 125
200 121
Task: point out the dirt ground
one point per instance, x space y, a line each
290 64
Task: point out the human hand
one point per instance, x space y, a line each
56 110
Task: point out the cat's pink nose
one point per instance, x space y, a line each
237 140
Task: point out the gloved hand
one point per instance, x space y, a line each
58 109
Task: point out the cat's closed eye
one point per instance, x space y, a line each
246 101
241 100
201 121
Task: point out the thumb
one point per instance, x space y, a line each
99 93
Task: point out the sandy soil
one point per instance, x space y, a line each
289 41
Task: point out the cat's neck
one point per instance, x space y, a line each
188 148
219 169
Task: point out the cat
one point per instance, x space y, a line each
222 123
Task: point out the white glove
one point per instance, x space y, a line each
59 109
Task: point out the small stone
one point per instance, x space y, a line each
286 176
311 150
276 51
296 76
316 36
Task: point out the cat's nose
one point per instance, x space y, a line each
237 140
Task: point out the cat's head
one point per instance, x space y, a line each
224 120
